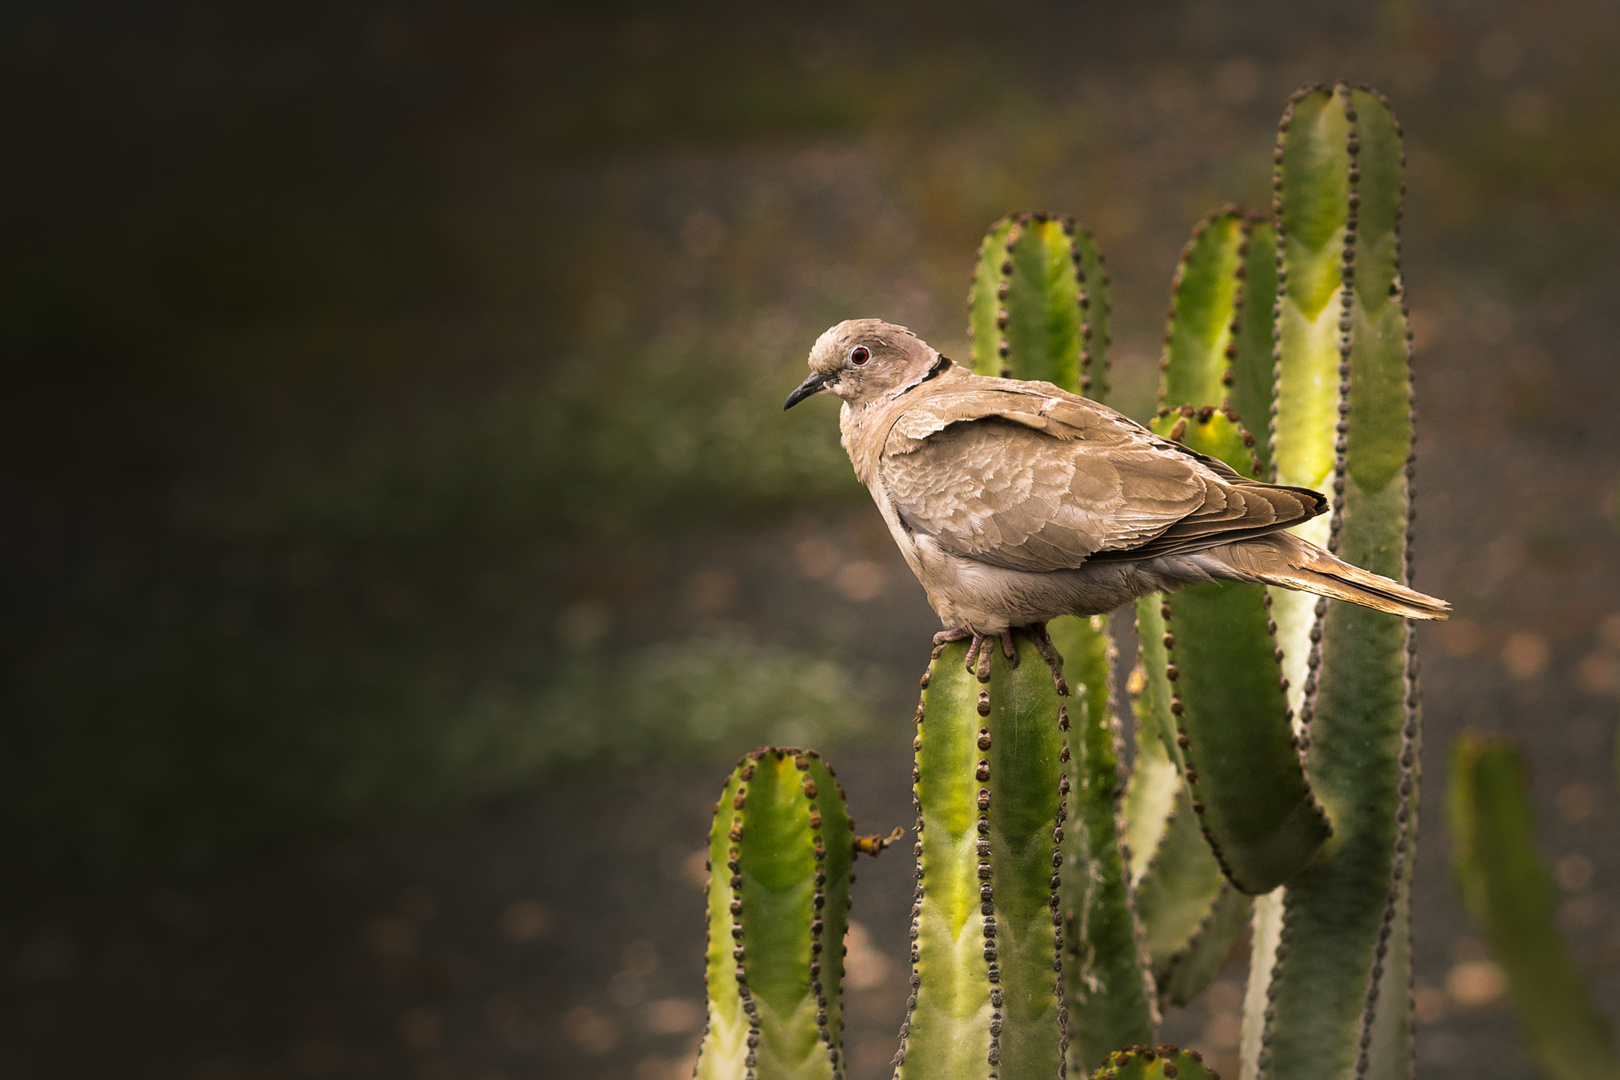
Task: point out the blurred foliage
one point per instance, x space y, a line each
672 438
338 339
1513 901
313 742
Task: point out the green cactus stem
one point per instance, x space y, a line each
1217 346
1333 952
1179 884
1155 778
991 786
1038 305
1185 906
1154 1063
1038 309
1512 899
1190 971
1234 729
1107 983
779 855
1178 888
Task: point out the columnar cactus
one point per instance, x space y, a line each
779 875
1277 735
991 785
1512 899
1038 309
1332 951
1107 982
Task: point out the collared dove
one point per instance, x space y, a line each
1015 502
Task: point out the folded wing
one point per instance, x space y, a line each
1026 477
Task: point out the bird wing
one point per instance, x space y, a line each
1027 477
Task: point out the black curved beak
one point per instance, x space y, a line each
810 387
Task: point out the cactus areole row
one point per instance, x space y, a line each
1060 901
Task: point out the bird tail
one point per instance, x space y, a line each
1281 558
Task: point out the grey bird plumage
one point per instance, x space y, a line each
1015 502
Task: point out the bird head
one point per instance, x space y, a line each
866 360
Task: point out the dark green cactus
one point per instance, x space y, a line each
779 856
991 784
1154 1063
1221 669
1333 951
1222 673
1105 972
1512 899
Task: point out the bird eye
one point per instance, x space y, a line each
859 355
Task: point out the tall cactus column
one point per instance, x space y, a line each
1333 951
779 876
1038 309
1210 699
990 786
1107 980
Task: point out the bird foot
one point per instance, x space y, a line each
1038 637
979 657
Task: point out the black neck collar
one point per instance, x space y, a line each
939 368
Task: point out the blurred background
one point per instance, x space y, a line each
403 532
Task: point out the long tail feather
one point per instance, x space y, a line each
1284 559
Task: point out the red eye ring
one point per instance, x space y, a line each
859 355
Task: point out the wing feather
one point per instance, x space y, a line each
1026 477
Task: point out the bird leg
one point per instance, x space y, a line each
976 649
1038 637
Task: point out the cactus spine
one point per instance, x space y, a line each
1511 898
1333 952
780 853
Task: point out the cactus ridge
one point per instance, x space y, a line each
1197 964
1038 303
785 841
1211 268
990 780
1343 940
1109 982
1217 344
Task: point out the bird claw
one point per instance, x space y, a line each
978 656
1008 649
1042 640
977 652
